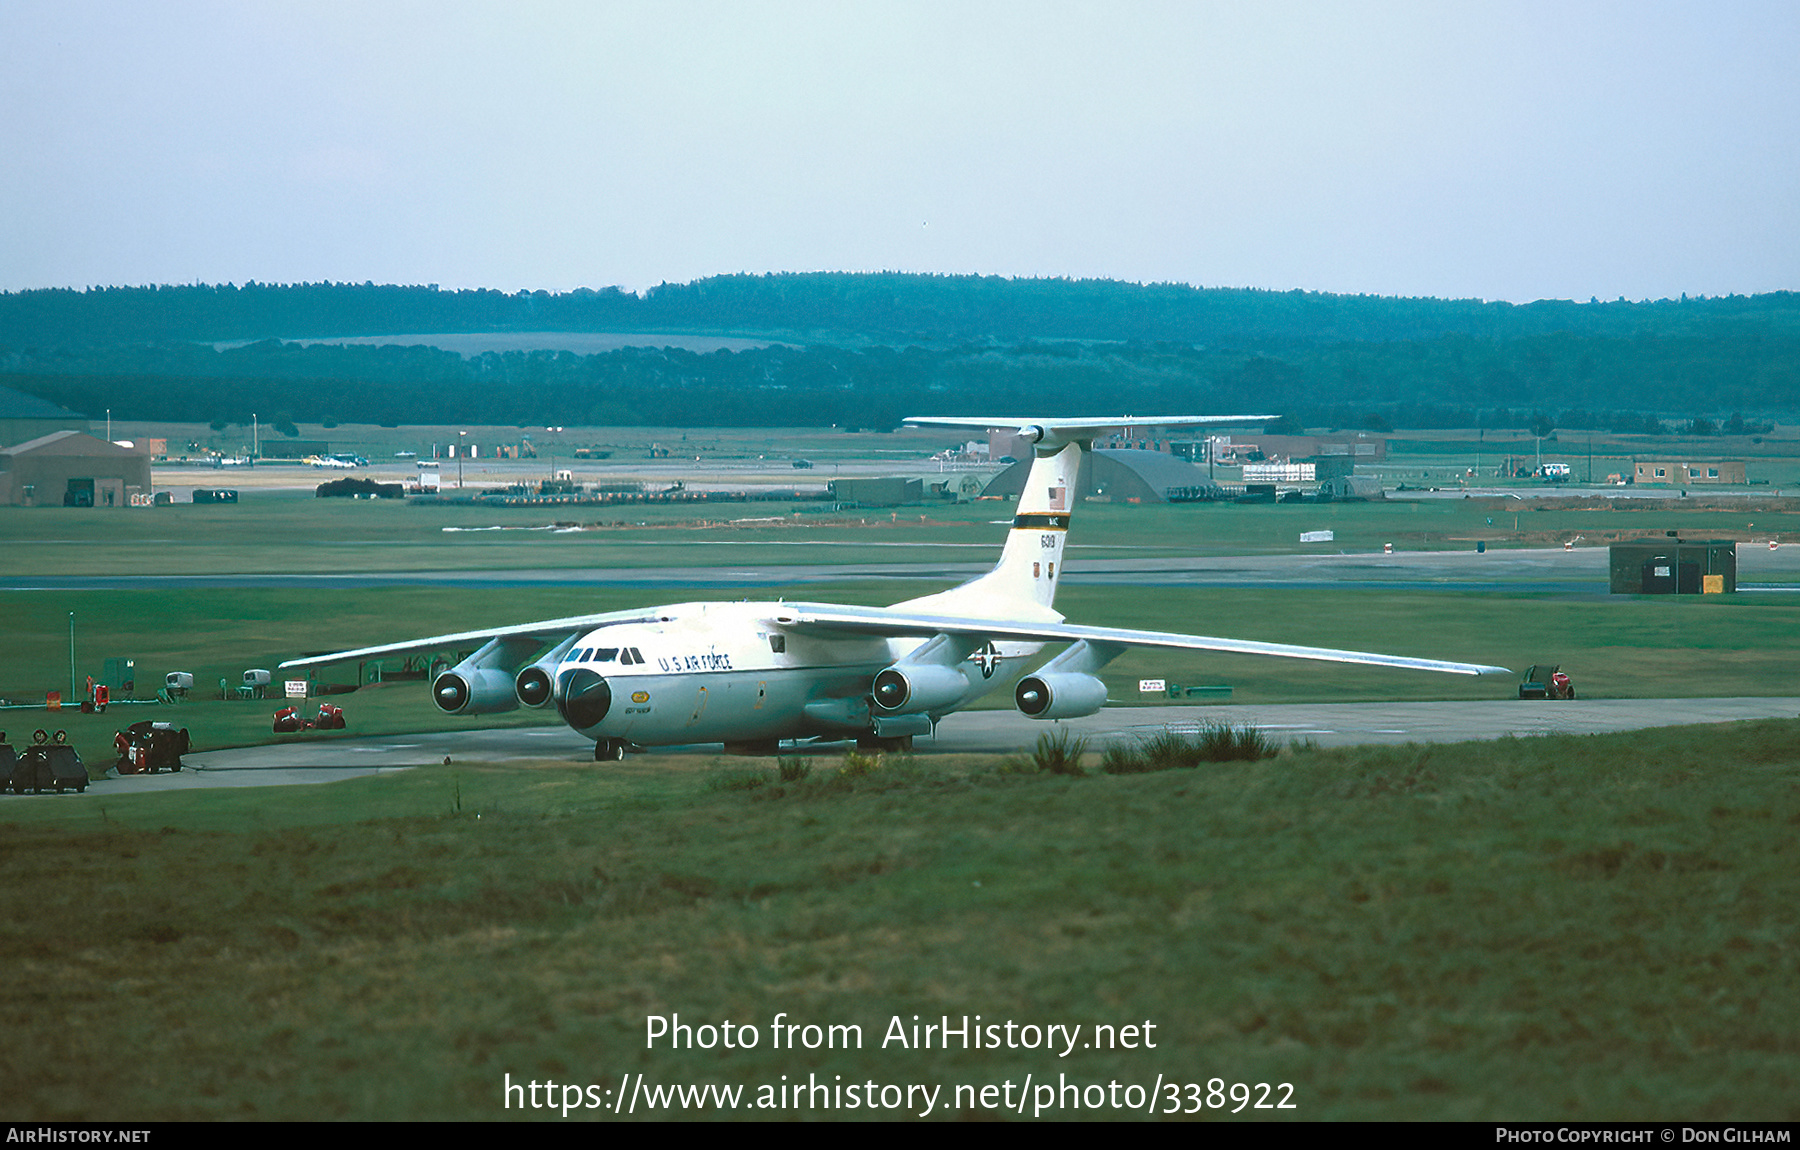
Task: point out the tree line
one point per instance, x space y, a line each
1619 383
838 307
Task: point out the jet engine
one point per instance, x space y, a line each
1066 687
910 688
465 690
583 697
535 684
482 684
1059 695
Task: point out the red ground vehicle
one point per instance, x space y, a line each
1545 681
146 748
288 720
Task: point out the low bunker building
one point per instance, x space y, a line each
1673 566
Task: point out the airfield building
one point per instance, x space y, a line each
878 492
26 417
1356 446
1117 476
1672 566
72 469
1688 472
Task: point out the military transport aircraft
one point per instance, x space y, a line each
752 674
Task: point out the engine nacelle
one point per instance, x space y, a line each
913 688
465 690
537 683
533 685
583 696
1059 695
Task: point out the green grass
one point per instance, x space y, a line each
1558 929
282 532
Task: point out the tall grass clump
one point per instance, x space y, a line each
1224 743
793 768
1170 750
1059 754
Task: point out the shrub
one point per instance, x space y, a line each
857 764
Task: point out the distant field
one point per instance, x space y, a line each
279 532
579 342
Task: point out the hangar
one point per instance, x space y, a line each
25 417
1116 476
72 469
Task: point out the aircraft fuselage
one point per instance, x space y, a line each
727 672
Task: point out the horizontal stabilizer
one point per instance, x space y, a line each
1068 429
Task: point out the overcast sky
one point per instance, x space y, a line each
1504 150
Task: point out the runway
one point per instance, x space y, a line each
1582 570
988 732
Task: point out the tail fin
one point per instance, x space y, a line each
1023 584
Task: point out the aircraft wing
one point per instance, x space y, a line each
548 629
876 621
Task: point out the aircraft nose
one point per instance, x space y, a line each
582 697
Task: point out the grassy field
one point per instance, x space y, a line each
1592 928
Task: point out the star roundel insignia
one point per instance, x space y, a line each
987 659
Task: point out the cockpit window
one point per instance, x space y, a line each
579 656
605 654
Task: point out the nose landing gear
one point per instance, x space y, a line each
609 751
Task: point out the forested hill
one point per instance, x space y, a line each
879 347
832 307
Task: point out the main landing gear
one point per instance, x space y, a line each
609 751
